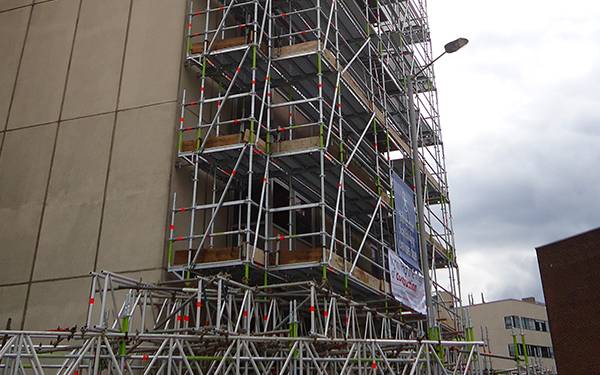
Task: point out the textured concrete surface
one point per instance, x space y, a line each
97 56
68 239
24 166
153 54
13 303
41 79
57 303
11 4
138 189
12 34
98 189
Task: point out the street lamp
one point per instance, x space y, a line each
451 47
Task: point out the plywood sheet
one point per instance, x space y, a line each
296 144
301 256
223 140
220 44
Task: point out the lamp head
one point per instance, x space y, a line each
455 45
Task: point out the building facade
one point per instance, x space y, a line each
570 278
88 93
504 323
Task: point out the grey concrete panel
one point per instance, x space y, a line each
41 80
153 55
18 233
69 235
137 200
10 4
13 27
97 55
59 303
24 165
12 300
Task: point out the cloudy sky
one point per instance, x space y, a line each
520 109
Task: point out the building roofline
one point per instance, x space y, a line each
538 303
568 238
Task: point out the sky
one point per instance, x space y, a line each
520 115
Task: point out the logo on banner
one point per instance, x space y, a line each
408 285
407 244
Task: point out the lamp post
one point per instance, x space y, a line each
451 47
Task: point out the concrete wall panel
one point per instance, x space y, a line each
138 190
13 303
13 25
41 80
60 303
24 166
69 235
97 56
10 4
153 55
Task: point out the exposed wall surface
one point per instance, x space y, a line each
570 278
491 316
88 93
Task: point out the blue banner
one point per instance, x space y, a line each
407 240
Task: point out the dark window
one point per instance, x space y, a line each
536 351
513 321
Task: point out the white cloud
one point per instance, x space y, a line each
521 125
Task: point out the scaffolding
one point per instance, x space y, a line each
215 325
295 125
299 123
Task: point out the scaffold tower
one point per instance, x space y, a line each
292 135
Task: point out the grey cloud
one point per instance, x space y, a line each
521 121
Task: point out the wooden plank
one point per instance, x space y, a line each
209 255
300 256
296 49
223 140
362 275
220 44
353 85
260 144
259 254
398 139
296 144
330 57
